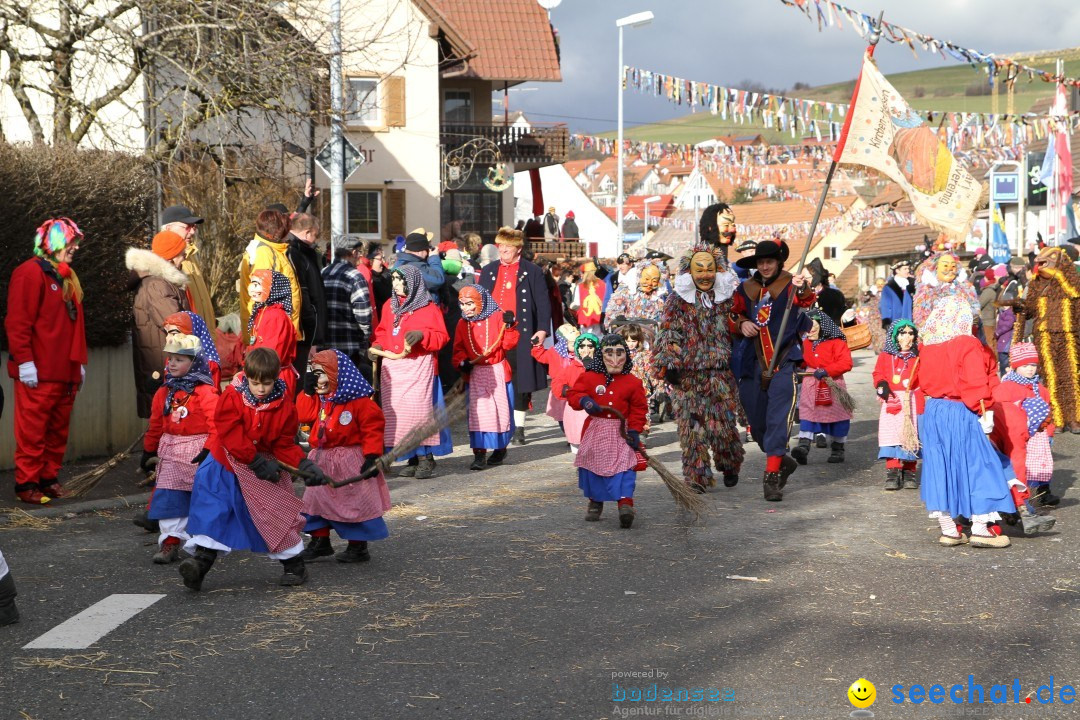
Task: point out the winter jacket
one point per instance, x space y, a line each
160 290
428 320
570 230
39 327
198 293
261 254
364 429
198 418
988 312
308 264
244 431
624 393
431 269
833 356
533 313
1003 330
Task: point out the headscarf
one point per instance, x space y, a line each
562 345
892 345
240 383
191 324
346 382
950 318
280 294
483 300
53 236
1037 411
582 338
198 374
596 364
416 295
828 331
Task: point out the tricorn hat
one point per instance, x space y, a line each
766 249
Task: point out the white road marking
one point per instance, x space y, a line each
93 623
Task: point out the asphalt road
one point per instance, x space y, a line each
494 599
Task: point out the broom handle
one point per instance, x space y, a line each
295 471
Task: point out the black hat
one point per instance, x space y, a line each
1072 252
417 241
279 207
775 249
746 246
180 214
984 263
818 272
1075 240
657 255
624 257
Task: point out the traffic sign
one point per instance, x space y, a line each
353 158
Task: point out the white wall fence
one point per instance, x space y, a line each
104 421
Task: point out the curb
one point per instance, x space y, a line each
86 506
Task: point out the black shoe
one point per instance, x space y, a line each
910 479
787 467
410 469
821 441
143 520
626 516
1042 497
356 552
497 456
1033 522
519 436
893 479
593 513
194 569
317 548
837 454
731 479
426 467
802 452
9 613
771 486
295 572
479 460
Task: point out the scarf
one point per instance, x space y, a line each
242 387
892 346
198 374
828 331
280 294
416 295
596 363
563 348
346 382
483 300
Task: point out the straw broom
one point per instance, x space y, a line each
909 435
85 482
841 394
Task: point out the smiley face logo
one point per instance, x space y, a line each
862 693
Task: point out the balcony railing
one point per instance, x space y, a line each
527 148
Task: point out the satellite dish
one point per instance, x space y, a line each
549 5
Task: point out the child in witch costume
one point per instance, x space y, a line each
242 499
413 326
574 418
825 353
189 323
346 439
896 377
270 325
557 358
181 419
606 461
483 337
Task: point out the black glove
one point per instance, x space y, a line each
413 337
144 461
672 377
883 390
310 381
508 318
197 460
317 475
370 469
885 324
465 367
565 391
590 406
821 373
633 439
153 383
265 467
535 341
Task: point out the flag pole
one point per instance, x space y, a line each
875 35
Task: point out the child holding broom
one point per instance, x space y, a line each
483 337
181 418
346 439
827 356
607 461
896 378
242 497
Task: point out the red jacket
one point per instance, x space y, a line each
243 431
428 320
39 328
1010 423
273 328
625 393
555 362
956 370
483 334
200 405
363 425
832 355
566 376
888 366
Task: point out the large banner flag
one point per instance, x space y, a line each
999 241
884 133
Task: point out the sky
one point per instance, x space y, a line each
725 42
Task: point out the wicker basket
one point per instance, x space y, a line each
858 336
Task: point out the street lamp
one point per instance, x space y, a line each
652 199
635 20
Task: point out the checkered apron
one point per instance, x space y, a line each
810 410
573 424
603 450
273 506
407 386
891 427
360 501
175 452
1040 463
489 407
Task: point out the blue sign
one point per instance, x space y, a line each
629 238
1005 187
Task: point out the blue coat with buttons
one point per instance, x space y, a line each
533 313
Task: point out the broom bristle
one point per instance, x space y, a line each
909 434
683 495
85 482
455 403
841 394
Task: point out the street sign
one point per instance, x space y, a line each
1005 187
353 158
629 238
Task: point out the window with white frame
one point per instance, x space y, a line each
831 252
362 102
364 216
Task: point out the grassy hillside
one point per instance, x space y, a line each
941 88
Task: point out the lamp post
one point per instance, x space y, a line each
635 20
651 199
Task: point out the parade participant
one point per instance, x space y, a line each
606 461
190 323
269 325
757 311
896 377
347 429
241 498
518 285
895 298
185 223
46 337
640 342
826 354
269 251
9 612
940 276
643 301
483 338
1052 300
410 333
962 475
557 358
717 227
588 299
693 355
574 418
181 420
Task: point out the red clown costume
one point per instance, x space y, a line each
270 324
47 357
346 439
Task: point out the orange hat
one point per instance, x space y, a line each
327 360
168 245
182 321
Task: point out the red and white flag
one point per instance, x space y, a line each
884 133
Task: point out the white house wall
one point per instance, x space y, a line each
561 191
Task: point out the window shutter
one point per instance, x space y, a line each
395 101
395 213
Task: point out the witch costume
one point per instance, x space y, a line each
896 379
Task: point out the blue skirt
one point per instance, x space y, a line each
895 452
374 529
962 473
841 428
218 509
607 489
169 504
446 445
494 440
